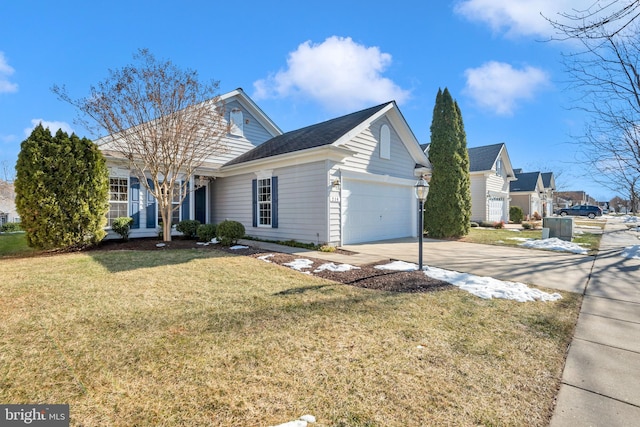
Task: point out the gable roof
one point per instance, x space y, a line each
483 158
548 180
526 181
313 136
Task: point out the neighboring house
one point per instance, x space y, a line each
549 183
527 192
346 180
8 211
490 173
565 199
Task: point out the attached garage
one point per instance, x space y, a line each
496 209
377 211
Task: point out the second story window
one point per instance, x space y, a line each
236 122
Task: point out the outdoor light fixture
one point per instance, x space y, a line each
201 181
422 189
335 183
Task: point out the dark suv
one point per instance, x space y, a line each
581 210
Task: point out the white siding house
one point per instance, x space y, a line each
527 192
346 180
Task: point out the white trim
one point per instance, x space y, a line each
369 177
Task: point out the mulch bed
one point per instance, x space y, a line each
365 277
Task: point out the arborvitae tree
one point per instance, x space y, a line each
448 207
62 188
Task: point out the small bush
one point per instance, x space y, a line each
498 224
122 226
528 226
188 227
537 216
206 232
10 227
516 215
327 248
229 232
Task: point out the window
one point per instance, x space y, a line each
385 142
499 167
236 122
264 202
118 199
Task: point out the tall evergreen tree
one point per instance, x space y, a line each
448 206
61 187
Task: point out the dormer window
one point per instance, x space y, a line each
499 167
236 122
385 142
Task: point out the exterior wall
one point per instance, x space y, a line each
478 197
253 134
529 202
367 145
8 212
302 203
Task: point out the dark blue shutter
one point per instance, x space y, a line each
135 201
151 207
274 202
254 192
185 204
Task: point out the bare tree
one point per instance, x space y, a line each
161 119
605 70
7 172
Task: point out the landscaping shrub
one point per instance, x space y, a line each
188 227
537 216
327 248
229 232
122 226
10 227
516 214
206 232
498 224
528 226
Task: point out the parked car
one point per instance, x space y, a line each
589 211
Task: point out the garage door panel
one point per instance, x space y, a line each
376 211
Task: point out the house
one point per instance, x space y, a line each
565 199
490 173
527 193
346 180
8 211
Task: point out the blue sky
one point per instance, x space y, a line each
308 61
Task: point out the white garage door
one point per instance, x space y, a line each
496 209
377 211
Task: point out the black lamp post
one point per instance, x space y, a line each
421 188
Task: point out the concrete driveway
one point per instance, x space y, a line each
550 269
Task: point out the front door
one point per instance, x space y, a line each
201 205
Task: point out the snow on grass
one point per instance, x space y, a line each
238 247
300 422
631 252
299 264
338 268
483 287
520 239
266 257
555 244
630 218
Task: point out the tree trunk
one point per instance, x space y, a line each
166 222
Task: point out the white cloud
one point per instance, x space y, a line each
5 71
339 73
520 18
53 126
498 86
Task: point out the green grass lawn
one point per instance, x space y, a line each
195 338
14 244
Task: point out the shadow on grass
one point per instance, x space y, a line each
128 260
300 290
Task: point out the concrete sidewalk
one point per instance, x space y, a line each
601 379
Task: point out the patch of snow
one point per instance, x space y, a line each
215 241
483 287
160 245
555 244
202 243
631 252
237 247
338 268
630 218
398 266
300 422
488 287
520 239
594 227
299 264
266 257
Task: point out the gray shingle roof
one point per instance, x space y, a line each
483 158
546 179
313 136
526 181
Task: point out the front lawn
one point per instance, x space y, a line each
14 244
189 337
